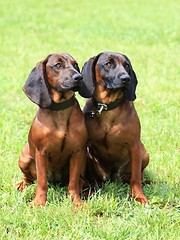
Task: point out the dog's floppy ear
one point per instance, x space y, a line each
35 86
88 72
131 91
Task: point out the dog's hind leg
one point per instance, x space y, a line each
145 162
28 167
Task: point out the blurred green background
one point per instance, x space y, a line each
148 33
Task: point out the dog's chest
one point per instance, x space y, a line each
110 140
107 132
62 140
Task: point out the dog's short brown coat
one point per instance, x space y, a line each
115 148
57 139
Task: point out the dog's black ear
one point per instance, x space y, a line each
88 72
131 91
35 87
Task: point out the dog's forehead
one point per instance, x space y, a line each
60 57
107 56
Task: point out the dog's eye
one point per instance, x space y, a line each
76 66
58 65
108 64
127 67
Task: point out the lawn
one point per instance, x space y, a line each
148 33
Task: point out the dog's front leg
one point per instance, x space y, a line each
77 166
42 187
136 169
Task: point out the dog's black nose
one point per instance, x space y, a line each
125 79
77 77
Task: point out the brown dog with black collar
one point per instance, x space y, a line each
115 148
56 148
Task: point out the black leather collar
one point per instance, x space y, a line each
63 105
104 107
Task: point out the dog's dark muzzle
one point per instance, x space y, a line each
121 82
71 84
77 81
77 77
125 80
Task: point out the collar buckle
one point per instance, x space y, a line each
101 107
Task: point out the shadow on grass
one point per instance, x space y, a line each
160 194
56 193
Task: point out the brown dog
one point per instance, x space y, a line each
57 139
115 148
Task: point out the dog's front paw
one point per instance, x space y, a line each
39 201
78 204
142 199
138 196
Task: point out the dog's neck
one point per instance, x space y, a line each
62 105
105 104
61 101
57 114
106 96
58 97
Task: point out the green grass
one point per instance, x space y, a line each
148 33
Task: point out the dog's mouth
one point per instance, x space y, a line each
68 87
116 88
117 84
123 89
75 89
